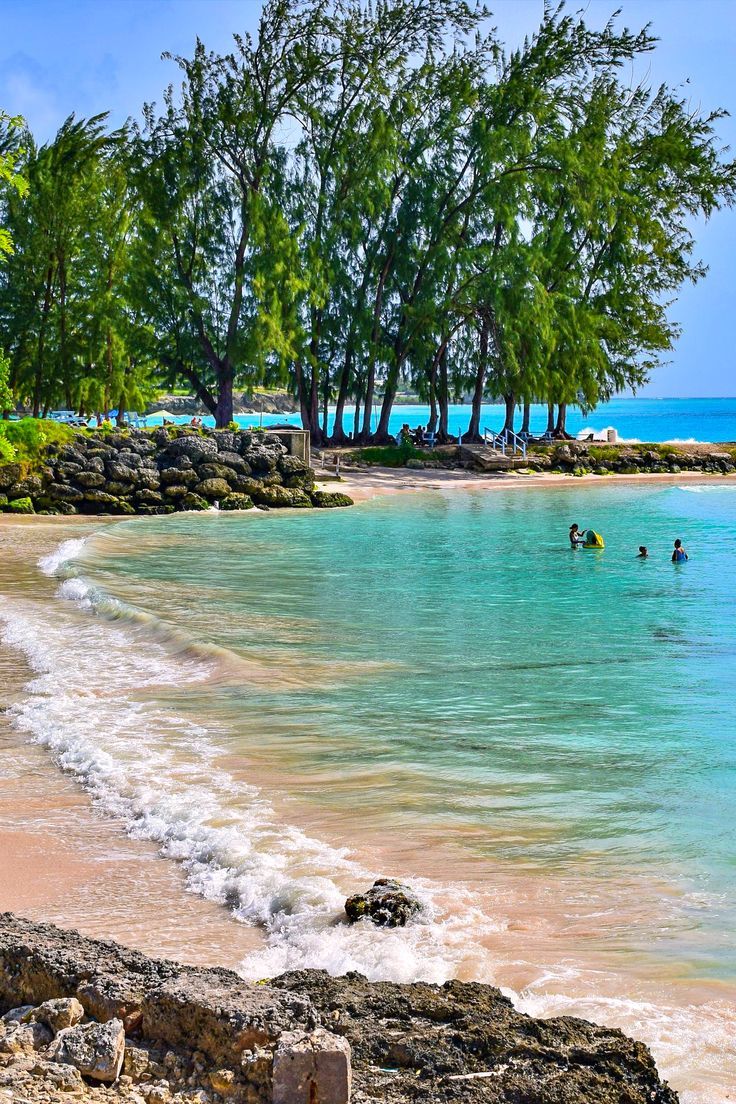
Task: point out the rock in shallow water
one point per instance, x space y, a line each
388 903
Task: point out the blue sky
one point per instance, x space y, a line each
86 56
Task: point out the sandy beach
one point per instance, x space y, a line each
60 859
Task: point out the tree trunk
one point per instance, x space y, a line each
432 423
356 413
338 431
473 433
550 417
314 409
443 398
224 408
527 418
368 408
560 430
510 403
382 435
38 380
301 391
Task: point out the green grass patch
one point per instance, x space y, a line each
26 439
603 452
392 456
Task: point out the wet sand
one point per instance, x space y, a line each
363 484
62 861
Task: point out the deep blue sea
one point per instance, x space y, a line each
635 419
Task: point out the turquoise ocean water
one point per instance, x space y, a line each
635 419
436 687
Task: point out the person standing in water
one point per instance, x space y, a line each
576 537
643 552
679 554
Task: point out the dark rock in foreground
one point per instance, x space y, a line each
466 1042
74 1009
387 903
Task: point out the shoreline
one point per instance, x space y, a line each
162 880
364 484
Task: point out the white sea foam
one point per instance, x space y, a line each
719 488
67 551
95 704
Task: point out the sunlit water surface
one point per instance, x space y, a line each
436 687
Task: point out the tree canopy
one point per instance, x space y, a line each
360 198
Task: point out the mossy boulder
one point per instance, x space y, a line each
237 502
149 497
175 491
213 489
192 501
9 474
195 447
291 465
303 479
387 903
268 495
90 479
21 506
328 500
216 471
62 492
235 461
178 475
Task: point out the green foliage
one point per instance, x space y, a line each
7 451
361 199
388 456
10 177
603 452
29 436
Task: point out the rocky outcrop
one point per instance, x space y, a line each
582 458
464 1042
158 1030
387 903
172 1033
162 471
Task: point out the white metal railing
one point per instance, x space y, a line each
505 441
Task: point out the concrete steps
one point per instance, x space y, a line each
487 459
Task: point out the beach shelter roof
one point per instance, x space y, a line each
162 414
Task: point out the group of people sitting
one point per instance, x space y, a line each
590 539
196 423
409 436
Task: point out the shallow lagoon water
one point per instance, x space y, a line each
433 686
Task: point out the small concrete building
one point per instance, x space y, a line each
295 439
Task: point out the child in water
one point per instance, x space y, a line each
643 552
679 555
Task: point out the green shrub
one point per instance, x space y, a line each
7 452
604 452
389 456
29 436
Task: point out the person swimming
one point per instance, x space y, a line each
643 552
679 554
